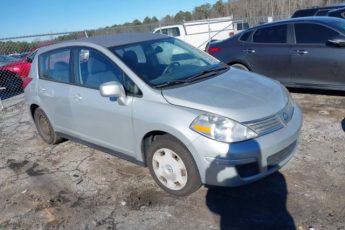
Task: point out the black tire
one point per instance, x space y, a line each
45 128
240 66
193 178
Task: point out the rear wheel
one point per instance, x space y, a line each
240 66
45 128
172 166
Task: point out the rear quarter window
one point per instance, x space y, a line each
245 37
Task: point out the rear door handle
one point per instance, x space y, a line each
249 51
43 90
77 97
301 52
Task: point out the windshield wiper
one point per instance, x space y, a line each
203 74
206 73
170 83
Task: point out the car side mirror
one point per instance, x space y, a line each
338 41
114 89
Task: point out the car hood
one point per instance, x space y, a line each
236 94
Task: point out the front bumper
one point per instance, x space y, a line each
244 162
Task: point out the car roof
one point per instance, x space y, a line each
324 7
121 39
317 8
314 10
315 19
105 41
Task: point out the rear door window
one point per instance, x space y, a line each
55 66
163 31
173 32
246 36
322 12
242 25
304 13
307 33
272 34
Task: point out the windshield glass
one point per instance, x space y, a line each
167 60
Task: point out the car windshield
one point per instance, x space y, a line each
169 61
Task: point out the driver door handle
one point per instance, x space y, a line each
301 52
249 51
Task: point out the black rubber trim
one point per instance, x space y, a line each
103 149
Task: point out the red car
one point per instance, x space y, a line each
13 76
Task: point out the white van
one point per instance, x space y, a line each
199 33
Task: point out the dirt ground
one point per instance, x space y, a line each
71 186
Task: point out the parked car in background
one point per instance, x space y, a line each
5 59
316 11
339 13
199 33
20 55
13 75
159 102
302 52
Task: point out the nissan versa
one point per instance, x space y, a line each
158 102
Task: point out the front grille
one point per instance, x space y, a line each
267 125
281 155
273 123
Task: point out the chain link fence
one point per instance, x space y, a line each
16 53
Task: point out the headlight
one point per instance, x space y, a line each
288 94
289 109
221 129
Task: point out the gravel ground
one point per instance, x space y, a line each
71 186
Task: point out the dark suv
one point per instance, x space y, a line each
316 11
338 13
302 52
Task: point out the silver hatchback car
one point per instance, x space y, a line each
158 102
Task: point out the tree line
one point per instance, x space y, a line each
239 9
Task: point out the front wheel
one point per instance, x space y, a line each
172 166
240 66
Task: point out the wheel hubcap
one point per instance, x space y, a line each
169 169
44 126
